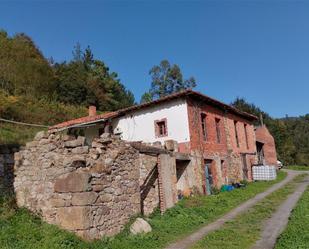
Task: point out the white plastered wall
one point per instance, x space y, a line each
139 125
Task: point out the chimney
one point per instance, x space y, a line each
92 110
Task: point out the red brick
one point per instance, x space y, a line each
263 136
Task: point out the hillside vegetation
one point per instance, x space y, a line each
31 110
36 90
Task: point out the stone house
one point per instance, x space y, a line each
91 175
219 134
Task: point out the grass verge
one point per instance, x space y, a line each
245 229
20 229
296 235
297 167
16 134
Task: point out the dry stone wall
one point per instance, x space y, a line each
149 183
91 191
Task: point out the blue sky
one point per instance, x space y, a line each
253 49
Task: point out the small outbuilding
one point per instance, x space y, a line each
265 146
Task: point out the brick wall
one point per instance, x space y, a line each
263 136
227 156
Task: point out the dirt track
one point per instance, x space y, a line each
188 241
274 226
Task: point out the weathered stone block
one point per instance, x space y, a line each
84 198
171 145
44 141
74 218
49 147
101 168
80 150
105 198
59 202
68 137
80 141
74 182
97 187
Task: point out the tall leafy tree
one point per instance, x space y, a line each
167 79
23 68
86 80
242 104
146 97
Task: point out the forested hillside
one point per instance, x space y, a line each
34 89
291 134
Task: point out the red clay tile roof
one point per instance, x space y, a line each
120 112
83 120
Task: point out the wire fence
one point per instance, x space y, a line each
22 123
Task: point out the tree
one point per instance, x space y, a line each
243 105
290 134
88 81
146 97
77 52
167 79
23 68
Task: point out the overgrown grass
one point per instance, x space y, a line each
16 134
245 229
296 235
297 167
20 229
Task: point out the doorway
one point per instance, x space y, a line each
244 166
260 152
182 174
208 176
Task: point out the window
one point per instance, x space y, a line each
236 134
161 128
222 166
246 136
204 127
218 130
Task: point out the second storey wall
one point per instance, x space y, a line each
227 123
245 134
229 159
197 141
140 124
